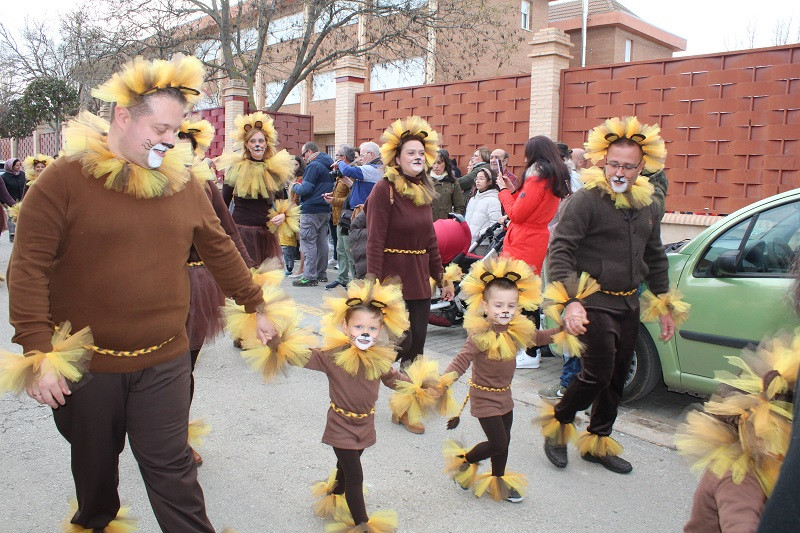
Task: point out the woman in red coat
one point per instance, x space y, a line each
530 206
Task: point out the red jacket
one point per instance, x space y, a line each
529 211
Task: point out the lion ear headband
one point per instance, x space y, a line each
354 302
645 135
516 271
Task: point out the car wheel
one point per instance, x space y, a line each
645 371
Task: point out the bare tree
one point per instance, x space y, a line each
297 39
781 31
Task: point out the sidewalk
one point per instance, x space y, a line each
654 418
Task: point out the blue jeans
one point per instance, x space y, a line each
288 257
572 366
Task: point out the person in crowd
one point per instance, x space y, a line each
578 159
364 176
572 363
341 214
252 180
496 289
401 240
316 213
14 184
479 160
448 198
530 206
205 297
499 162
290 245
484 209
103 245
33 166
456 170
608 231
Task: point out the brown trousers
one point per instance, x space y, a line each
152 407
414 342
610 339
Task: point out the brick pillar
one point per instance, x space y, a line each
550 55
235 97
350 78
37 141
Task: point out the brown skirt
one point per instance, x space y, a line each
205 302
260 243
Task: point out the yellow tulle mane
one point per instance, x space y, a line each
670 303
122 523
141 77
85 140
746 429
419 193
613 129
201 131
31 161
638 196
386 296
202 171
517 271
68 358
256 179
370 364
289 227
260 121
500 345
426 393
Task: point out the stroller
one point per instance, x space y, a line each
456 246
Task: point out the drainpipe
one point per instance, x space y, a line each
583 32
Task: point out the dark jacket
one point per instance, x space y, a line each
358 244
619 248
450 199
317 181
15 185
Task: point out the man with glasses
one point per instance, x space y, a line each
499 161
315 214
611 230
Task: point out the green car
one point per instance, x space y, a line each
737 276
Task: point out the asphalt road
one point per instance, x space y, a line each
264 452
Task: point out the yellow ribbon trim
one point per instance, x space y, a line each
124 353
488 389
351 414
195 263
619 293
399 251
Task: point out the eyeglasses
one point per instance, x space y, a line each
626 167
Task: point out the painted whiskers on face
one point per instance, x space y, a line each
156 152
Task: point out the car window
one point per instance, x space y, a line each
762 245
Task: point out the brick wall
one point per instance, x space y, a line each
216 116
48 144
731 121
466 114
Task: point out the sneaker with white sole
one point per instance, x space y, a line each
526 361
556 392
514 496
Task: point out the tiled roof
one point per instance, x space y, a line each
574 8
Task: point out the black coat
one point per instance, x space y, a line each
15 185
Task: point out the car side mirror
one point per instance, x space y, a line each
725 265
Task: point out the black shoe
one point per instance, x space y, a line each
323 279
557 454
611 462
304 282
333 284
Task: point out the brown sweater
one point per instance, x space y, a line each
722 506
619 248
492 374
351 393
108 260
399 224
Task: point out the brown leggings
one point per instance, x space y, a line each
498 433
414 342
350 482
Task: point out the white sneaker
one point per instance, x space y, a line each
298 275
526 361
